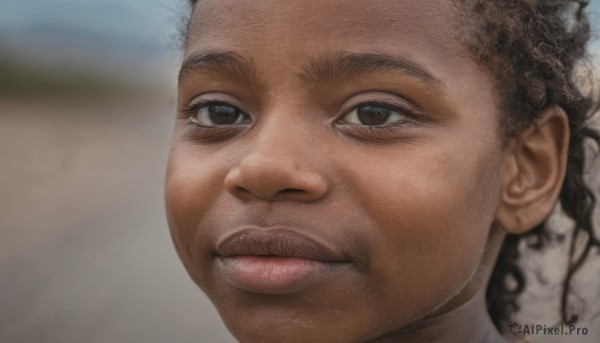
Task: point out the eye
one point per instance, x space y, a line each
216 114
374 115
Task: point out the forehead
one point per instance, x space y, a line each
303 26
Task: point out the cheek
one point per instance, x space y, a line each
192 186
431 211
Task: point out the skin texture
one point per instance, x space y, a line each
416 210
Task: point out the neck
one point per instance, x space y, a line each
470 322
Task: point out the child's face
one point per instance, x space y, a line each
357 137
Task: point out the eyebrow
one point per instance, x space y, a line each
219 61
339 66
322 69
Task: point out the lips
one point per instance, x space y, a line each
276 261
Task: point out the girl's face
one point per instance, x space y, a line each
336 165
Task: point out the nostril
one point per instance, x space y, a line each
286 191
292 191
241 190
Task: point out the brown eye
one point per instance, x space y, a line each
373 115
219 114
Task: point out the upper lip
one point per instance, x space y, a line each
280 242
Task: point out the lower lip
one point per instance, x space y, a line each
273 274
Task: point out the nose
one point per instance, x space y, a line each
276 169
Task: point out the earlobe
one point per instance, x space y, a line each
534 171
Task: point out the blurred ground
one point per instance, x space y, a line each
85 254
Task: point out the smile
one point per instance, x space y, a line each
276 261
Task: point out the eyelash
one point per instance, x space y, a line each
192 109
404 110
413 117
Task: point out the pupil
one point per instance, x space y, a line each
223 115
372 115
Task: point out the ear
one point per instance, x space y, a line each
534 171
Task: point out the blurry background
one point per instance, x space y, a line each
87 91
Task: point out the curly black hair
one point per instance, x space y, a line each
534 48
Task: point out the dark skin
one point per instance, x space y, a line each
369 129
